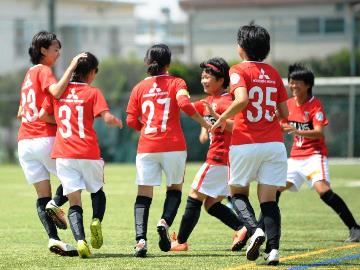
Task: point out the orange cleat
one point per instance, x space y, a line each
239 239
176 246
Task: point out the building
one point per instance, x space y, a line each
299 28
105 27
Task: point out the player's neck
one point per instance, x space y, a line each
301 100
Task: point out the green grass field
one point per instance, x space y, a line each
311 232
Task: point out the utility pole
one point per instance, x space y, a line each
51 15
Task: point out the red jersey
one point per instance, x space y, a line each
305 117
153 101
74 113
33 92
218 153
257 122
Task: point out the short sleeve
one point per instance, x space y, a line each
199 107
133 104
319 116
180 84
100 104
46 78
237 79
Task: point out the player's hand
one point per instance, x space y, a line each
209 108
220 123
203 136
75 60
117 122
289 129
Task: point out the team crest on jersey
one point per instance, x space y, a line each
234 78
319 116
263 76
306 116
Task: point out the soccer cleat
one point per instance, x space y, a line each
83 249
140 248
256 240
176 246
164 239
271 258
354 235
96 239
56 214
61 248
239 239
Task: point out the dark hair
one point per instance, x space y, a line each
255 41
218 68
43 39
157 57
84 66
299 72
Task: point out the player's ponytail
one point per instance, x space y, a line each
157 58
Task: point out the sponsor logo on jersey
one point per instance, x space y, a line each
72 97
263 78
263 75
155 91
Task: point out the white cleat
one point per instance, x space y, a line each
140 248
271 258
354 235
256 240
61 248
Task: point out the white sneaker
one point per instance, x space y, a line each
164 238
61 248
271 258
256 240
354 235
140 248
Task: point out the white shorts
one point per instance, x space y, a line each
79 174
311 169
149 167
265 163
211 180
34 158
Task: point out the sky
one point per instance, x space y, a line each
151 9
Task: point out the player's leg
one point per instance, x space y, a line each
98 200
54 211
173 164
334 201
75 216
141 214
189 220
215 208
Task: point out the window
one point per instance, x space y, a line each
309 25
334 25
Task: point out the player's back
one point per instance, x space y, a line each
75 112
33 92
154 100
257 122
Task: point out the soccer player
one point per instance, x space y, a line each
154 110
308 158
210 184
36 137
257 151
76 150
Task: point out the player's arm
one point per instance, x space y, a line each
239 103
57 89
46 117
229 122
183 100
18 116
316 133
111 119
203 136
